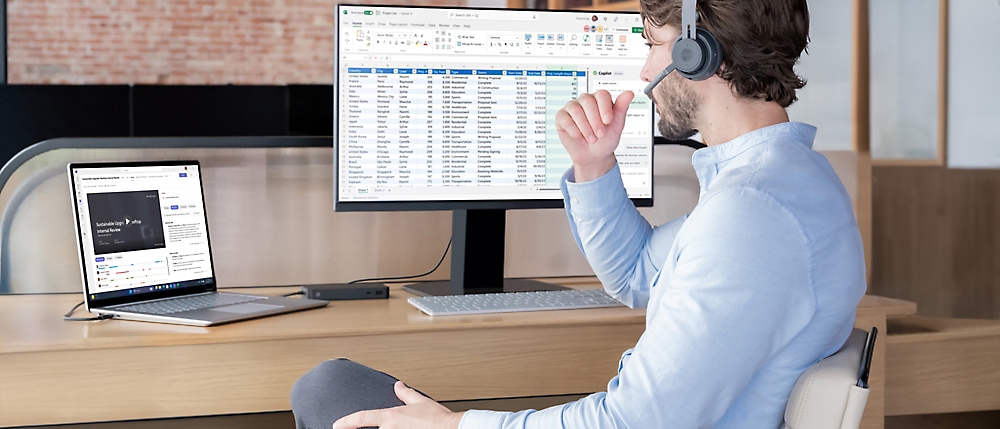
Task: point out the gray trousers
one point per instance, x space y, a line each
337 388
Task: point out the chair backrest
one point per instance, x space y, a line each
827 395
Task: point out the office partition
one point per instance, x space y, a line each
269 203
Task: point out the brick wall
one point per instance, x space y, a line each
175 41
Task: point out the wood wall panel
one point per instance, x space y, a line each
936 239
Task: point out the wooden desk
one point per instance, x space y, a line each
61 372
942 365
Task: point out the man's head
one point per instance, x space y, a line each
761 41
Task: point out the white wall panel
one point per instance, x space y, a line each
904 80
826 99
974 84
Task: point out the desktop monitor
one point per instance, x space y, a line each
453 109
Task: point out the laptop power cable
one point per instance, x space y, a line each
68 316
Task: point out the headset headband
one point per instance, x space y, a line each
689 16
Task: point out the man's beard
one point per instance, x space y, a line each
677 106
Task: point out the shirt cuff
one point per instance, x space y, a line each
480 419
597 198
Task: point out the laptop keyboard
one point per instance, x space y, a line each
188 303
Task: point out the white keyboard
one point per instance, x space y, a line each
454 305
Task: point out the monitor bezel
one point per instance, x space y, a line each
212 286
512 204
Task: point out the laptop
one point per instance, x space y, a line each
144 247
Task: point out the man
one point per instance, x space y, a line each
757 283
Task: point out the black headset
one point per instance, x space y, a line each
696 55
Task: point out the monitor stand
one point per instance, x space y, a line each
477 253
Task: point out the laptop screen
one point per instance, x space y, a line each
142 229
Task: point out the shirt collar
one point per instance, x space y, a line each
706 161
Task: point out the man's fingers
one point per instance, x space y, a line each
605 106
590 108
580 118
587 118
408 395
362 419
565 124
622 103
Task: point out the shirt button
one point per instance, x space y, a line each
574 200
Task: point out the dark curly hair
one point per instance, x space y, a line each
761 41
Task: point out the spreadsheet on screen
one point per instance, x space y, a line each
459 104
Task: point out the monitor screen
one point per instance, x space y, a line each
445 105
142 229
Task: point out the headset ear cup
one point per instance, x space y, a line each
712 53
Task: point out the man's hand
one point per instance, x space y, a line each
420 412
590 128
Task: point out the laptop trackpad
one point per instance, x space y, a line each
250 307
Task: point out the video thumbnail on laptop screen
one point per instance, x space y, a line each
125 221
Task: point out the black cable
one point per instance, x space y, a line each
693 144
374 279
67 317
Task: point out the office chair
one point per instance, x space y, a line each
832 393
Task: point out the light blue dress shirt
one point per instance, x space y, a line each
757 283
